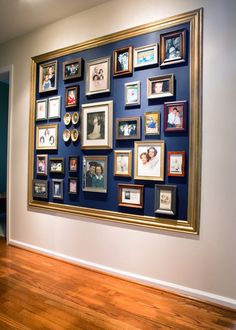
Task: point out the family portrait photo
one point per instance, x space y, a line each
40 188
128 128
48 76
72 69
95 173
46 137
173 46
98 76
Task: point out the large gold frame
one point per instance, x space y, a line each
194 18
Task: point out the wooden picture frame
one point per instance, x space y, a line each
40 188
54 107
48 77
175 114
176 163
73 164
73 69
160 86
123 163
42 164
95 174
130 195
152 123
128 128
41 111
173 47
71 96
123 61
56 165
132 93
46 137
165 199
146 55
57 188
98 76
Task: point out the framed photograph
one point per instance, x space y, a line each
173 47
98 76
46 137
176 163
175 116
54 107
146 55
67 118
56 165
73 163
73 69
165 199
48 77
97 125
75 118
128 128
74 135
71 96
152 123
66 135
95 174
160 86
123 163
149 160
40 188
41 110
57 188
130 195
72 185
132 93
123 61
42 165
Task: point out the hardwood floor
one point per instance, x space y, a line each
37 292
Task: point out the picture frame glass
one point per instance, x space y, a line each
41 110
175 117
122 163
57 188
42 164
165 199
40 188
54 107
152 123
132 93
48 76
176 164
130 196
46 136
95 174
73 164
146 55
98 76
73 185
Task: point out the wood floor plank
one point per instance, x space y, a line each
38 292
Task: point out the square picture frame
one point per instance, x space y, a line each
123 61
72 186
165 199
42 164
95 174
98 75
175 116
132 93
48 77
173 47
146 55
57 188
73 69
54 107
130 195
123 163
128 128
41 110
160 86
176 163
97 125
46 137
152 123
149 160
56 165
71 96
40 188
73 164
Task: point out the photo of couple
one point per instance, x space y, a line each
94 174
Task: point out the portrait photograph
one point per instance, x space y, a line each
48 77
160 86
123 163
132 93
54 107
74 135
42 165
128 128
98 76
56 165
57 188
96 125
173 47
75 118
123 61
73 163
66 135
40 188
175 116
41 110
152 123
165 199
71 96
176 163
146 55
46 136
73 69
95 174
149 160
130 195
67 118
72 185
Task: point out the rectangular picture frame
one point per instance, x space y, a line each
152 123
48 77
132 93
165 199
46 137
123 61
123 163
56 165
71 96
175 116
95 174
54 107
72 185
173 47
40 188
57 188
41 110
98 75
128 128
130 195
176 163
146 55
42 164
73 69
160 86
73 164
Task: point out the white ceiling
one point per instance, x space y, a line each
18 17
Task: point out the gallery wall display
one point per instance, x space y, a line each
115 126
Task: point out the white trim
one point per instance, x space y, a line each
190 292
9 69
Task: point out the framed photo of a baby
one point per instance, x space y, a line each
149 160
175 116
96 125
48 77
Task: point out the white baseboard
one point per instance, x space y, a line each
175 288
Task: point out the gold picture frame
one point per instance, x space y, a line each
123 163
46 137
